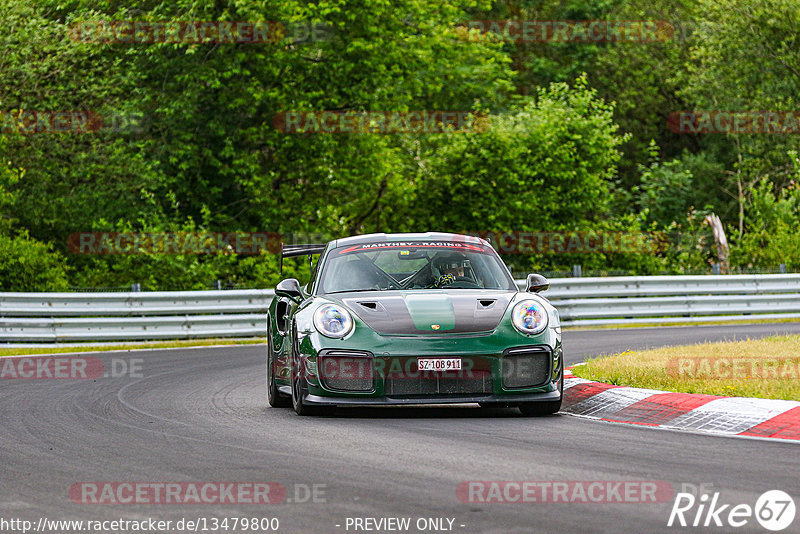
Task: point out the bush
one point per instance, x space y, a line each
545 165
29 265
772 223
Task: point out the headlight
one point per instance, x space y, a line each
333 321
529 317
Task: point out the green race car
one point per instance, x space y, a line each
405 319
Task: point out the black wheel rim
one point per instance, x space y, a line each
296 389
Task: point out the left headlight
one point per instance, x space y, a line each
529 317
333 321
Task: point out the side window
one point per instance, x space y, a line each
280 311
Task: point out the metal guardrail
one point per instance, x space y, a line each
134 303
132 316
131 328
649 286
124 316
675 299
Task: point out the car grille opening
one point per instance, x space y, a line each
480 383
526 367
346 371
474 379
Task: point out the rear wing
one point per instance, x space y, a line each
290 251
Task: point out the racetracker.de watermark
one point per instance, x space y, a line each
255 243
32 121
369 368
185 32
195 492
734 122
565 491
574 31
583 242
734 367
330 367
68 368
104 243
380 122
212 492
195 32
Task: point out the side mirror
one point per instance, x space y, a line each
536 283
290 288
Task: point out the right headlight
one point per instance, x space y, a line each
332 320
529 317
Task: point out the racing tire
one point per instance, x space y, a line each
297 400
299 385
529 409
275 398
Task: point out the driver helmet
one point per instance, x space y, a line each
453 264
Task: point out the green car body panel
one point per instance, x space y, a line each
392 329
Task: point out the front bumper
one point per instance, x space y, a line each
491 379
392 401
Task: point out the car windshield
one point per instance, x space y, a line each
417 265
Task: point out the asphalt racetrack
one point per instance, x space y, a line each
201 415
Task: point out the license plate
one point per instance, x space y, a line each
439 364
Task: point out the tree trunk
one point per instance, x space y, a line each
722 243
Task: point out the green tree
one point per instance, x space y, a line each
772 223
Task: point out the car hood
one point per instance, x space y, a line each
428 311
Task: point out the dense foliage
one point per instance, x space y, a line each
577 137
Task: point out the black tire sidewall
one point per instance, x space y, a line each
547 407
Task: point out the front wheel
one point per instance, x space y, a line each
544 408
275 398
298 381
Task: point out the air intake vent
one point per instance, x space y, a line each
526 367
346 371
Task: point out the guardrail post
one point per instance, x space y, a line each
576 271
219 285
715 268
782 268
136 287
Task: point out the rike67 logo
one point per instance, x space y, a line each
774 510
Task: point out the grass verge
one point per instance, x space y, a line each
21 351
767 368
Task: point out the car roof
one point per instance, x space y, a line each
426 236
